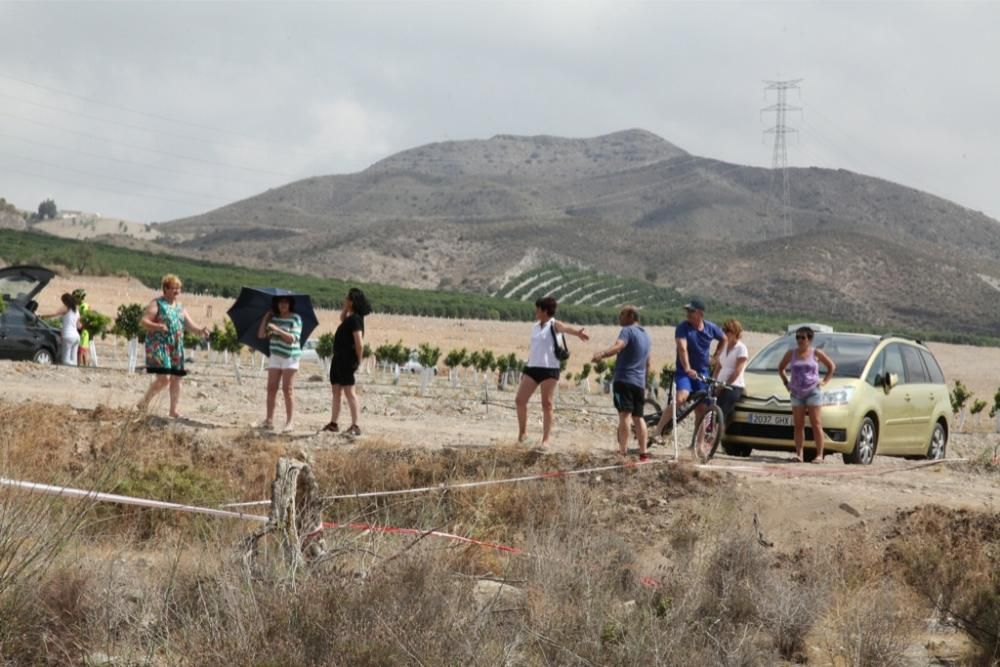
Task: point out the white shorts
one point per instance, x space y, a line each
283 363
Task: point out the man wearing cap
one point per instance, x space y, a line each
629 384
694 338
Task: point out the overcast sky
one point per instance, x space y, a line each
153 111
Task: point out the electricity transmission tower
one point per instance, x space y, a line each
779 158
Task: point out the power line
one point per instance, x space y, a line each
146 128
146 165
185 137
84 172
143 148
139 112
46 177
780 130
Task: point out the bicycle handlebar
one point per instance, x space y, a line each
712 382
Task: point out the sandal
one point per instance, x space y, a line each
331 427
354 430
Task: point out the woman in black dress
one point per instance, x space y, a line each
348 344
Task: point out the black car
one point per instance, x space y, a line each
22 334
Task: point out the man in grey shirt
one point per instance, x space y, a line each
629 382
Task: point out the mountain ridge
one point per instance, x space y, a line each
462 214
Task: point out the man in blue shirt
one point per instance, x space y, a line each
694 338
629 381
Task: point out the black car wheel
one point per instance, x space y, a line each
865 444
43 356
737 450
938 446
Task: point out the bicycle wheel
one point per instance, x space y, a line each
707 434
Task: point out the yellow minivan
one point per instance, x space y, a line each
888 396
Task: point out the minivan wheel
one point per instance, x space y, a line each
43 356
737 450
938 445
865 444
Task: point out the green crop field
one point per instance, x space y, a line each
586 297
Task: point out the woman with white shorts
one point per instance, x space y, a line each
283 328
70 329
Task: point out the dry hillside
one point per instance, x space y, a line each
468 213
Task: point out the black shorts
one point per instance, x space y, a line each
539 375
628 398
342 373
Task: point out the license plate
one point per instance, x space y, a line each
776 420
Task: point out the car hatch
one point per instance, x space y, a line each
20 284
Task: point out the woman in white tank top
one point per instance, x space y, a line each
70 328
733 360
543 366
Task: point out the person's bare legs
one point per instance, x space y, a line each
548 392
287 380
158 384
338 391
524 392
668 412
624 431
799 424
175 395
352 402
273 380
817 426
639 424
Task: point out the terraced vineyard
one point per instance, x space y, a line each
586 296
583 287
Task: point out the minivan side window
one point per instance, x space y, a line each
876 368
915 371
894 362
937 376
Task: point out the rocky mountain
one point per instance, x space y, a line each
469 214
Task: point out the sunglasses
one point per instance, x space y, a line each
802 337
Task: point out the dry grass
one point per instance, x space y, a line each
150 587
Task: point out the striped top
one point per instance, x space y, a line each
293 325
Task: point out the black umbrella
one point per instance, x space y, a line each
254 302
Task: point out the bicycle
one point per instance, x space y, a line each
708 431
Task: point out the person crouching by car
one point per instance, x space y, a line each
283 328
70 328
348 349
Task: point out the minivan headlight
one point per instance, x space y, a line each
838 396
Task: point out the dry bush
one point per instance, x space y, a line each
870 627
952 559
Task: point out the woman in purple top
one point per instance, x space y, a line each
804 388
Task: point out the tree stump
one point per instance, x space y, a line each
295 513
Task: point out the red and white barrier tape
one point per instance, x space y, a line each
444 486
780 470
67 492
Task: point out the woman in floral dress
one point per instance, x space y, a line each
165 320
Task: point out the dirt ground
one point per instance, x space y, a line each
977 367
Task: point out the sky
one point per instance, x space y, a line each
153 111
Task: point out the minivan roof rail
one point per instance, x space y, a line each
903 336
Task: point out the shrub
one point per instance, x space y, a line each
324 346
127 323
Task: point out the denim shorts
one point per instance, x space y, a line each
813 399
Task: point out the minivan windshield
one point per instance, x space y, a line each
849 352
